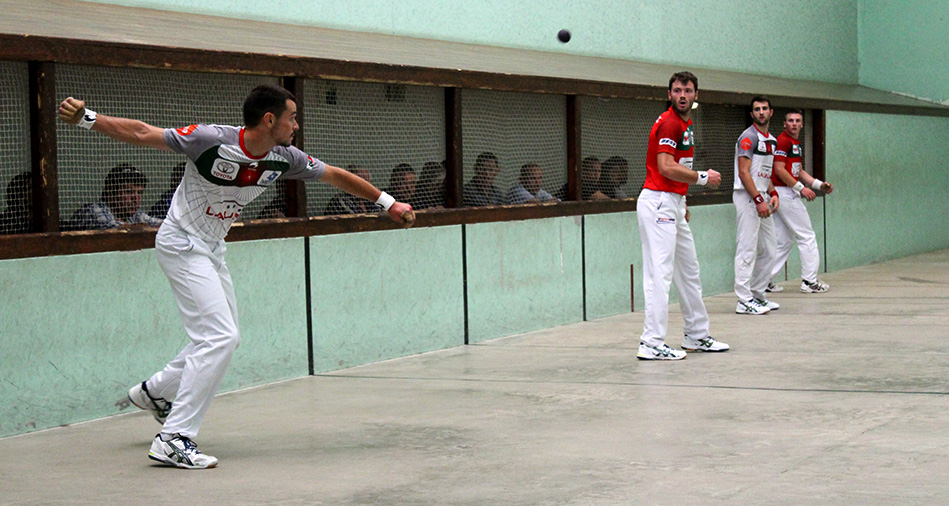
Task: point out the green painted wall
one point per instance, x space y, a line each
381 295
522 276
800 39
904 47
78 331
890 182
611 245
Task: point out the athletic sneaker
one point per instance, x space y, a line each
708 344
773 288
770 304
180 451
139 396
815 287
661 352
751 306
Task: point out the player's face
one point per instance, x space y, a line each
761 113
683 95
285 126
793 123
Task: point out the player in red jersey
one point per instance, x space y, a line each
668 247
793 223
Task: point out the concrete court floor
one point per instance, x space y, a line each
838 398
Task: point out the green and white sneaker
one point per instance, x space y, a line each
180 451
751 306
661 352
707 344
770 304
773 288
139 396
815 287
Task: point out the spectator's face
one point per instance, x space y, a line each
490 170
406 186
618 174
533 179
363 173
126 200
591 172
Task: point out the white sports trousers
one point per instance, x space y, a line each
669 257
755 248
792 223
205 295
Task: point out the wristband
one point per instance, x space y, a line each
773 193
88 119
759 199
703 178
817 184
385 200
798 187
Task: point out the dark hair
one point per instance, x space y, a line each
685 77
19 188
760 98
399 171
614 162
484 158
263 99
122 174
794 111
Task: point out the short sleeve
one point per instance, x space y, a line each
746 144
303 166
782 149
668 136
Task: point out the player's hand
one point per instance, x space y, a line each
808 193
401 212
773 204
714 178
72 110
827 187
688 215
763 210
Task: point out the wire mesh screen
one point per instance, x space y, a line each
518 129
614 135
15 149
391 134
717 128
166 99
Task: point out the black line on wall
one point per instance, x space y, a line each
309 305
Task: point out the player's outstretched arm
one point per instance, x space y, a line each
130 131
815 183
355 185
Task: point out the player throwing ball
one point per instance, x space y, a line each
793 223
668 248
227 168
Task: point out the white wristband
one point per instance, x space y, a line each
703 178
798 187
88 119
817 184
385 200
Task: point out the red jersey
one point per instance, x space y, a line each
669 135
789 151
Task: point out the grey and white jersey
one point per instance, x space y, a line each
759 147
221 177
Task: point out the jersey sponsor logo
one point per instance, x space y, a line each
186 130
668 142
665 221
745 143
780 153
686 161
227 210
225 169
795 169
796 150
764 147
267 177
687 138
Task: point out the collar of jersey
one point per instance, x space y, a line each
244 149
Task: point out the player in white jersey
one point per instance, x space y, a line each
227 168
792 223
755 250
